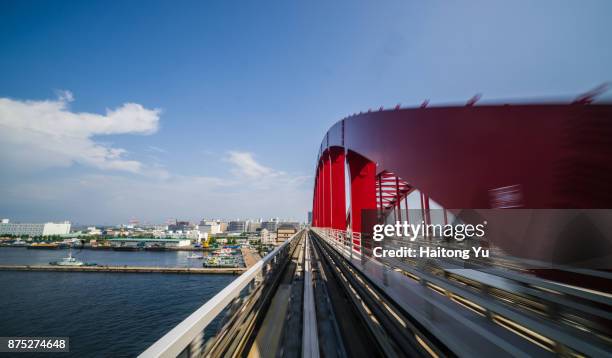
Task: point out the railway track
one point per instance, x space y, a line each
371 325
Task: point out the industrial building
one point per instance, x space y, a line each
209 227
34 229
148 243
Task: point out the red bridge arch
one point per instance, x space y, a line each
472 157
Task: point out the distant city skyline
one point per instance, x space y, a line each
153 110
148 223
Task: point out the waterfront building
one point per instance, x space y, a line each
159 233
266 237
295 225
92 230
195 235
145 243
223 226
34 229
180 226
284 232
271 225
209 227
237 226
253 226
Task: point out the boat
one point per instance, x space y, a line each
19 243
70 261
224 252
195 256
222 262
44 245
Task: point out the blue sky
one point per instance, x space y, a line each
230 99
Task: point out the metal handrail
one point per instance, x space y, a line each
180 337
348 243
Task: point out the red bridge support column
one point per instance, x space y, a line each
326 190
363 193
338 195
320 195
315 201
315 209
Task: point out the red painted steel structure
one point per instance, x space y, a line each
338 195
472 157
363 187
327 190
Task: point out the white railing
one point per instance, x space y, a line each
190 332
347 243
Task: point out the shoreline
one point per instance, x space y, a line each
127 269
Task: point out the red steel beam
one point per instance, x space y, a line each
326 190
363 188
338 195
534 156
319 199
534 147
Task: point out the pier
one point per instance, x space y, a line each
125 269
250 256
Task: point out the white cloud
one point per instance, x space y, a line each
245 164
47 134
64 95
42 134
260 177
157 194
118 198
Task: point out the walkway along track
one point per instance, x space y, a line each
278 333
246 332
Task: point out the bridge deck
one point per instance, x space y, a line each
323 300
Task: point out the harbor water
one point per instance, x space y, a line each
23 256
103 314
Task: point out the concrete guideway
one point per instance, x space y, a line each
280 324
310 338
325 314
